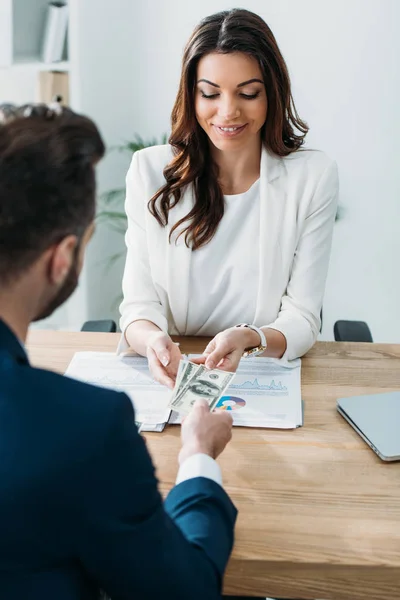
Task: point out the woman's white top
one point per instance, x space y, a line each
288 254
227 264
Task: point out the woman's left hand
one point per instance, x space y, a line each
226 349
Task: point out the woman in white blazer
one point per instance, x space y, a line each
229 226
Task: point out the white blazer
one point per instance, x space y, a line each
298 200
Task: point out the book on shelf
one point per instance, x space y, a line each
55 32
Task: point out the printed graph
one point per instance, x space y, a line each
230 403
273 386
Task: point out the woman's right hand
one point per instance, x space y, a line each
163 356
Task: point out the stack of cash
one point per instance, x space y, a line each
194 382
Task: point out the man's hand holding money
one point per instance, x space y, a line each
204 432
195 381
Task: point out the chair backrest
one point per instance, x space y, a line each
104 326
352 331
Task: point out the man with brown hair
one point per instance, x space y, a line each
80 508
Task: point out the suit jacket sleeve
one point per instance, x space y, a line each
141 300
133 545
299 316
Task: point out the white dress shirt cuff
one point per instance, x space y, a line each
199 465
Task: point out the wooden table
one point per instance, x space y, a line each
319 512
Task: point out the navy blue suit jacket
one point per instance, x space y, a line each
79 505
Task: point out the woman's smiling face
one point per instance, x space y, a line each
230 99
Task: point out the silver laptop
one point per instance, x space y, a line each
376 418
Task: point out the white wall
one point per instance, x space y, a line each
343 59
104 55
17 84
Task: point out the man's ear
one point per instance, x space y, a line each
61 259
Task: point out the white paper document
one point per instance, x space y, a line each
265 392
129 374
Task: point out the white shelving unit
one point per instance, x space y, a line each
36 65
22 24
101 57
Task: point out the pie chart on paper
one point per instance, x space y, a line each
230 403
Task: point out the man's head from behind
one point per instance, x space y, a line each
47 201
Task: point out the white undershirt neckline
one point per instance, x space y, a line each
224 274
247 192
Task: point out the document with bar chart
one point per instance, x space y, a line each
265 392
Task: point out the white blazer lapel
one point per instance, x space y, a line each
178 265
271 214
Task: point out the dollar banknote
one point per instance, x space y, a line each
181 369
186 370
200 383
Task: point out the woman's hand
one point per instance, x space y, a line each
163 356
226 349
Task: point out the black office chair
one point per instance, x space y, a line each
103 326
352 331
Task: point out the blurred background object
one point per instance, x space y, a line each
53 84
55 29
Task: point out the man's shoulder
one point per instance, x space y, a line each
73 404
68 385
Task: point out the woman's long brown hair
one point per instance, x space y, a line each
228 31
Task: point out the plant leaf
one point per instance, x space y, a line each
138 143
112 196
111 214
339 213
111 260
